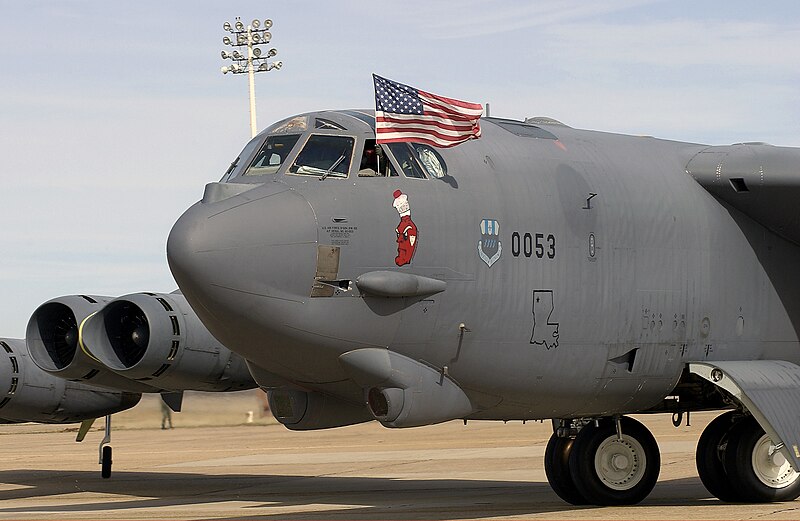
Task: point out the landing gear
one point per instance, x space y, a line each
105 451
710 456
737 461
105 462
556 466
611 468
607 463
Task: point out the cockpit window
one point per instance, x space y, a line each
327 124
324 155
239 163
374 162
431 160
272 154
292 126
405 156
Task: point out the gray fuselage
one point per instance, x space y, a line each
614 269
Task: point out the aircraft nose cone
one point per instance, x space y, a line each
231 256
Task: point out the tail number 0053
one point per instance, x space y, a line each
537 244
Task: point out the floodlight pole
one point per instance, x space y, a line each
251 75
255 61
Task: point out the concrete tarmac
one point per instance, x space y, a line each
483 470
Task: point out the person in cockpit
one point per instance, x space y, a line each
369 161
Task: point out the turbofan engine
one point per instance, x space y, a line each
157 339
53 339
28 394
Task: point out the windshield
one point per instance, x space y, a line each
272 154
237 164
325 155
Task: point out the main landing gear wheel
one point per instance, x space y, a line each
757 471
611 470
710 456
556 466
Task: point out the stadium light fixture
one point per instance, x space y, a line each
256 59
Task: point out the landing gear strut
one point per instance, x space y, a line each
608 463
105 451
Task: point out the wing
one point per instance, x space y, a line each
762 181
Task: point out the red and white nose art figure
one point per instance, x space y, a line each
406 230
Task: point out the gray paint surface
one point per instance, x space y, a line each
594 306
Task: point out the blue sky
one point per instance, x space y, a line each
114 115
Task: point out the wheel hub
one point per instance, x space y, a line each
770 466
620 463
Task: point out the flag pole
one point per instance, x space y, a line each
375 117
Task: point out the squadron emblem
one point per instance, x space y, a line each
489 247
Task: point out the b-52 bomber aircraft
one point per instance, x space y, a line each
539 272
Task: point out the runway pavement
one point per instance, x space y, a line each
262 471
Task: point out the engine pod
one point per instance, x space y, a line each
53 338
53 330
309 410
402 392
29 394
157 338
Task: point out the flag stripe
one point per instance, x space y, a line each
386 135
463 107
420 138
396 119
444 134
435 107
412 125
382 131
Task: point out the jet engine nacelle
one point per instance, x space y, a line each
401 392
28 394
301 410
53 338
304 411
157 339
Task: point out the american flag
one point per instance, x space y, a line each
403 113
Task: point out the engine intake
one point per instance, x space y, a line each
53 337
157 339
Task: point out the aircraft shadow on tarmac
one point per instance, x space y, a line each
366 498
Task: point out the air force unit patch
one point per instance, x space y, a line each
489 247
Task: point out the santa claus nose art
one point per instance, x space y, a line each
406 231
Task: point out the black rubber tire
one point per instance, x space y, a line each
585 473
742 441
105 468
710 456
556 467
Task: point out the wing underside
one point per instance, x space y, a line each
762 181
